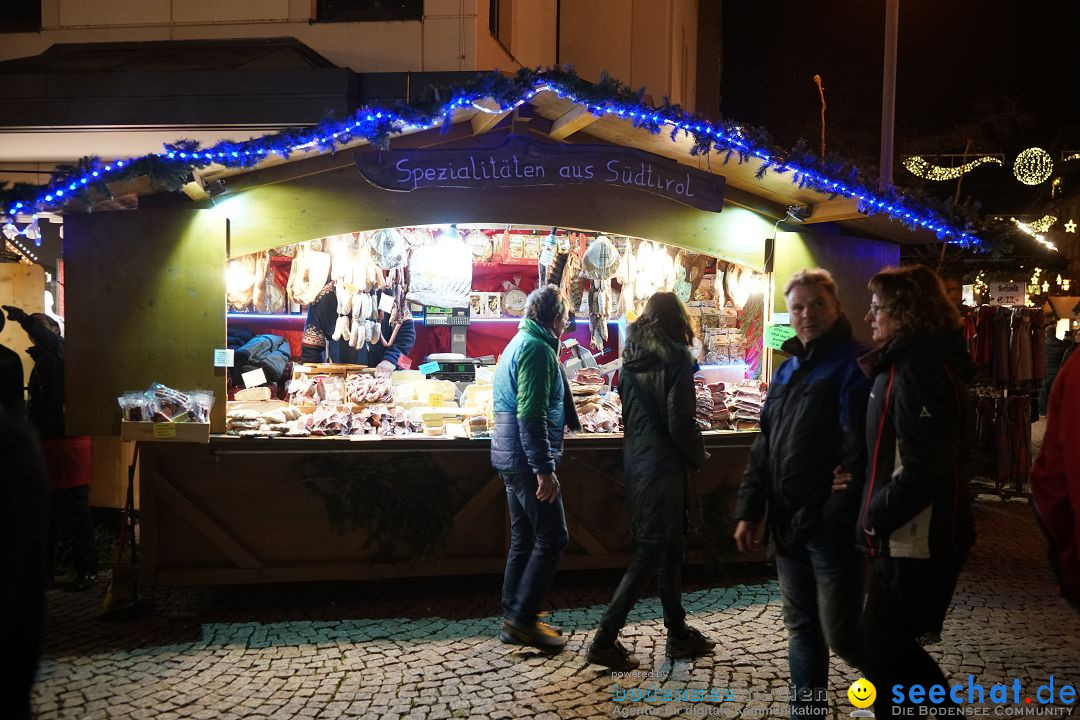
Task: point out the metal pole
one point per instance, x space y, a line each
888 92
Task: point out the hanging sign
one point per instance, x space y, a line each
777 335
1008 293
523 162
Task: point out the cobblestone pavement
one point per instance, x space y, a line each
427 649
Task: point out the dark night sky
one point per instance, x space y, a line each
952 54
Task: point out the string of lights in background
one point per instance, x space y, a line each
921 167
376 124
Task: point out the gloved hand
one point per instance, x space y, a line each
15 314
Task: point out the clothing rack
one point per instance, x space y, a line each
1007 347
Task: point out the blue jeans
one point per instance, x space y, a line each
537 539
821 590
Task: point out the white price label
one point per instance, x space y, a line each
223 357
1008 294
254 377
386 303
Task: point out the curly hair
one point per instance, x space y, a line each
668 311
544 304
914 297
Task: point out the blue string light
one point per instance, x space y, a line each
371 123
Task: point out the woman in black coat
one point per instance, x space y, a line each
662 448
915 521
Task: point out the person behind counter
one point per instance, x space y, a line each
533 407
318 344
662 450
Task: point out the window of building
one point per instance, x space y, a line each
500 21
21 16
368 10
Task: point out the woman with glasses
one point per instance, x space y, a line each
914 521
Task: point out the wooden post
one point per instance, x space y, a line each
888 93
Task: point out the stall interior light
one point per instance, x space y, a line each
372 123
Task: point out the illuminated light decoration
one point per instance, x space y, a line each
376 125
1044 223
1070 226
1046 286
1033 166
30 232
1029 230
20 249
1074 156
1065 284
920 167
1055 187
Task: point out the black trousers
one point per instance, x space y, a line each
907 600
665 559
70 518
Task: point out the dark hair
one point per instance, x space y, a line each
48 322
914 297
666 310
544 304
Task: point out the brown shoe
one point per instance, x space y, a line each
538 635
616 656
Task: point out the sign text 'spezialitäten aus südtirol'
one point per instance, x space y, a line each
522 162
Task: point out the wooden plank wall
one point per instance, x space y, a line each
145 303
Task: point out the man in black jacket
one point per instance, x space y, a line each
812 424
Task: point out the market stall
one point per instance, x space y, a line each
341 474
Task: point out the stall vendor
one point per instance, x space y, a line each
318 344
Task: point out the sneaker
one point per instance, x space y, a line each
84 582
616 656
691 644
542 616
538 635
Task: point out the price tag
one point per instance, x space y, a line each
386 303
223 357
429 367
1008 294
404 362
254 377
164 430
436 400
777 335
781 318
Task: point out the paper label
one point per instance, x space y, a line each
777 335
779 318
404 362
254 377
436 400
1009 294
429 367
386 303
223 357
164 430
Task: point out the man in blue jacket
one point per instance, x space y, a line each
812 425
533 405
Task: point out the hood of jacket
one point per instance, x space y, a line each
538 331
648 346
949 347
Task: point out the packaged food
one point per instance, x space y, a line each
133 406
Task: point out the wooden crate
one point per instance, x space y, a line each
164 432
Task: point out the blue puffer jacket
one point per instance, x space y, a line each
529 403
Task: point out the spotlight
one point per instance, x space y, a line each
798 213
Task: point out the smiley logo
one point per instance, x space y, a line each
862 693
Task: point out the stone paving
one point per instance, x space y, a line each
427 648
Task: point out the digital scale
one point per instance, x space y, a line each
457 319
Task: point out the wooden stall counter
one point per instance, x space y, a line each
301 509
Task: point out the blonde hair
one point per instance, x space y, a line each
813 276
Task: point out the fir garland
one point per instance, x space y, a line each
76 187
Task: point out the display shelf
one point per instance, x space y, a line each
131 430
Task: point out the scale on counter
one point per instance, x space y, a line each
457 319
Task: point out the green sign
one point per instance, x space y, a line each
777 335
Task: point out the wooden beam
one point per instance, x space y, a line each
834 211
492 489
205 525
484 121
579 117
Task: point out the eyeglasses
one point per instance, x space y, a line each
875 308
